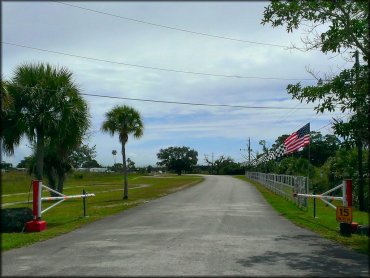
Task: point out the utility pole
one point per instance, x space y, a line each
249 149
212 164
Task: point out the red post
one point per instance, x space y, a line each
35 184
36 225
349 192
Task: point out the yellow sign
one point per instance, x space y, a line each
344 214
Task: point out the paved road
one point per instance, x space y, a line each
219 227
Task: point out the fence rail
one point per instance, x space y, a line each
283 185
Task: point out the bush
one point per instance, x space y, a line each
78 176
14 219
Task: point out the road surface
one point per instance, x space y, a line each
220 227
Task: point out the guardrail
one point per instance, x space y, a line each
283 185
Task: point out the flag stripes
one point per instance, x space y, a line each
298 139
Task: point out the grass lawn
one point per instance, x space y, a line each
67 216
325 222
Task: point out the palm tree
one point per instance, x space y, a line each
68 138
114 153
123 120
44 108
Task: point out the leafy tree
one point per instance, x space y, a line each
149 169
4 165
225 166
123 120
347 30
91 164
44 99
118 167
178 159
26 162
279 141
346 23
83 155
263 144
321 148
130 164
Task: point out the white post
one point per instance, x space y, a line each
344 187
39 199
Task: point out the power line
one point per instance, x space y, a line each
171 102
154 68
195 104
172 28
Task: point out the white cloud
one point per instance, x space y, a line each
61 28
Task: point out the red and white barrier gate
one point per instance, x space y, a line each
344 213
37 225
346 195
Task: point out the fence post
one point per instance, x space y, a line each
84 201
314 204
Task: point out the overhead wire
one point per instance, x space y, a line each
170 27
154 68
173 102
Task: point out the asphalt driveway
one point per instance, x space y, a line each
220 227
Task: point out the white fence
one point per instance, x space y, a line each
283 185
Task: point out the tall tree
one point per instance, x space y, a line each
114 153
346 30
44 107
178 159
123 120
83 155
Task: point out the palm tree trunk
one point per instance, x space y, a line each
39 153
51 174
61 177
125 189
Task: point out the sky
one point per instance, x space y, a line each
110 36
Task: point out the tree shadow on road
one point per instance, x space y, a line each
328 260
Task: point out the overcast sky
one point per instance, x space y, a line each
223 131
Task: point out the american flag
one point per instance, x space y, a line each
298 139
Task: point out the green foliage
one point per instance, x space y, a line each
26 162
345 22
224 166
91 164
14 219
130 165
82 155
4 165
48 109
346 30
178 159
79 176
321 148
123 120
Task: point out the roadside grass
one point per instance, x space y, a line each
68 216
324 224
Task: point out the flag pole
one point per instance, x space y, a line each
309 162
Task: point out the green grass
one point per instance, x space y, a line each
324 224
108 200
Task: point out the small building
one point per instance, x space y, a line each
98 170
